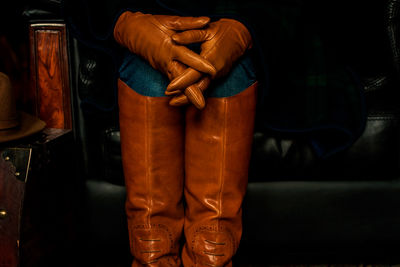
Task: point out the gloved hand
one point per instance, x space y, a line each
224 41
149 36
190 93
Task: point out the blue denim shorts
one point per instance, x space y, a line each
145 80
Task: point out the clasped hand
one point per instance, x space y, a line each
161 40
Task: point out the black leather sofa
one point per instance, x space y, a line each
298 208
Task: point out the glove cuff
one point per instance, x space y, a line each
241 29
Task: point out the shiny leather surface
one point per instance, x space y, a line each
217 153
152 143
150 37
223 42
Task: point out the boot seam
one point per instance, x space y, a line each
222 165
147 153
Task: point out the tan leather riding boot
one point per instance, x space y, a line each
217 153
152 139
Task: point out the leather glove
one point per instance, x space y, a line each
149 36
224 41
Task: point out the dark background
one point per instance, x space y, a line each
14 50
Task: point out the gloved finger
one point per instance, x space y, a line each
195 96
191 59
179 100
189 37
187 78
171 93
175 69
194 92
177 23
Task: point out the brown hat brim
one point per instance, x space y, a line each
28 125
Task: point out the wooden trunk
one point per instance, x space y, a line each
38 198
